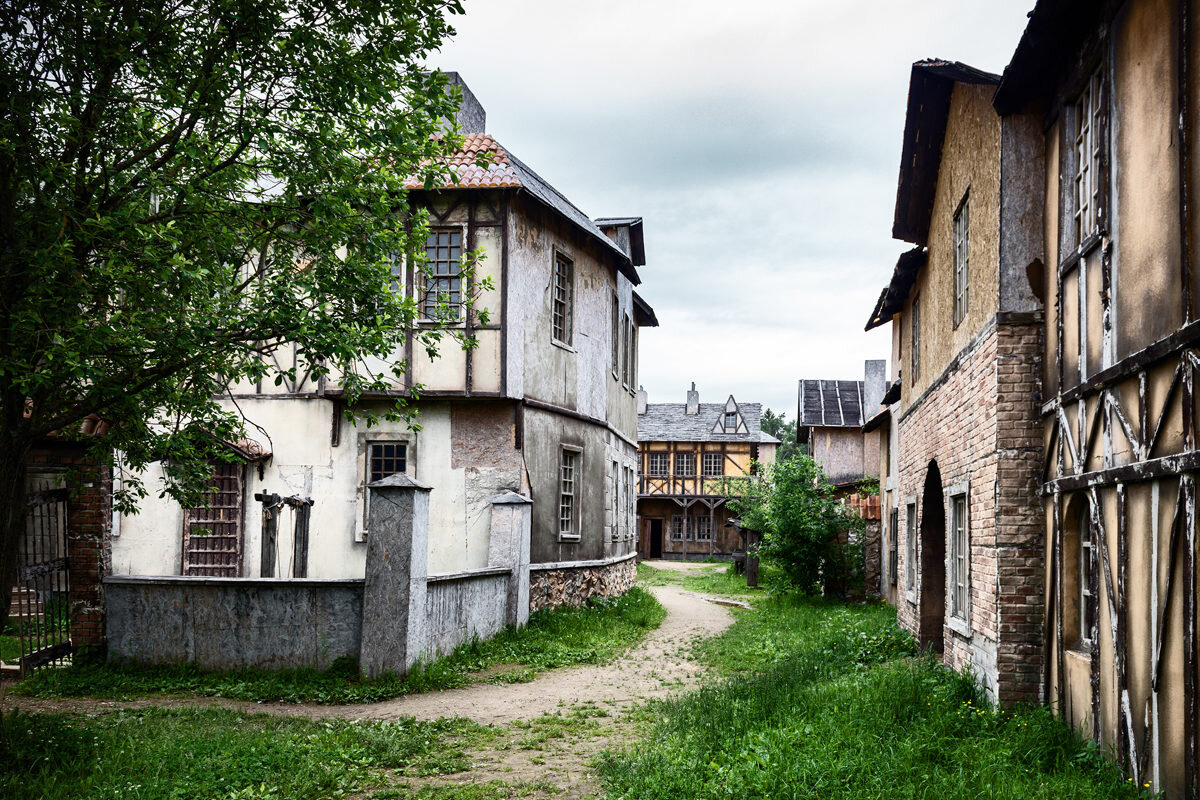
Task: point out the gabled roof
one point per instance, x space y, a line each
669 422
929 89
637 239
830 404
504 170
892 298
1058 31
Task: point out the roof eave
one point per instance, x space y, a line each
643 314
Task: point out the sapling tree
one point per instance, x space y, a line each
185 186
806 530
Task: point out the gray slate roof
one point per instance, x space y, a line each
667 422
830 404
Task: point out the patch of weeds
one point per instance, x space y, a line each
155 754
553 638
825 700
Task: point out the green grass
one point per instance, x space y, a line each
827 701
713 577
556 638
197 754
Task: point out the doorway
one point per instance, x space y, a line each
933 562
656 526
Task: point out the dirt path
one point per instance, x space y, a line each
549 728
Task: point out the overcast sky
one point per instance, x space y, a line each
760 142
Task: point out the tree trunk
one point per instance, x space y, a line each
13 514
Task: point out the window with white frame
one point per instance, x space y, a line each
677 528
910 547
658 465
962 226
615 488
630 503
1086 567
960 557
702 528
563 300
381 455
567 510
1087 147
685 465
731 421
443 283
714 464
893 545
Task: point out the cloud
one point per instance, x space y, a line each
759 141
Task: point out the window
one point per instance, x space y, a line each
731 421
677 528
212 532
685 464
630 503
703 528
658 465
1087 153
568 472
960 557
910 547
1086 576
714 464
627 362
562 312
915 323
961 259
443 283
616 335
615 487
384 458
893 545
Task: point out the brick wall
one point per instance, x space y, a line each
980 423
89 548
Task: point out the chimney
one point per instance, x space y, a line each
693 400
874 386
471 117
641 400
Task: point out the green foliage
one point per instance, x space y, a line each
826 700
157 754
187 189
806 530
778 426
553 638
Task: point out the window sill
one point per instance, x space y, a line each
563 345
433 323
960 626
1079 653
568 537
911 596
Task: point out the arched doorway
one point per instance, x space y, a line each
933 561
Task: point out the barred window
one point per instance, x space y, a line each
566 497
658 465
443 284
714 464
685 464
961 259
564 287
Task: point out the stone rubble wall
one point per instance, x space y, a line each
575 585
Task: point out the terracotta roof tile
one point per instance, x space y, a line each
497 174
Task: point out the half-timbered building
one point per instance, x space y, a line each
543 405
1115 90
688 451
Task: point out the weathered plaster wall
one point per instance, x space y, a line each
970 161
844 453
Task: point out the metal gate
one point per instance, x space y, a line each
40 608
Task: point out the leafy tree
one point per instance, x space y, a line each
805 528
778 426
184 186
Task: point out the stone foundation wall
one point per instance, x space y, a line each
574 585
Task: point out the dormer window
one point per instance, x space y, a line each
731 421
